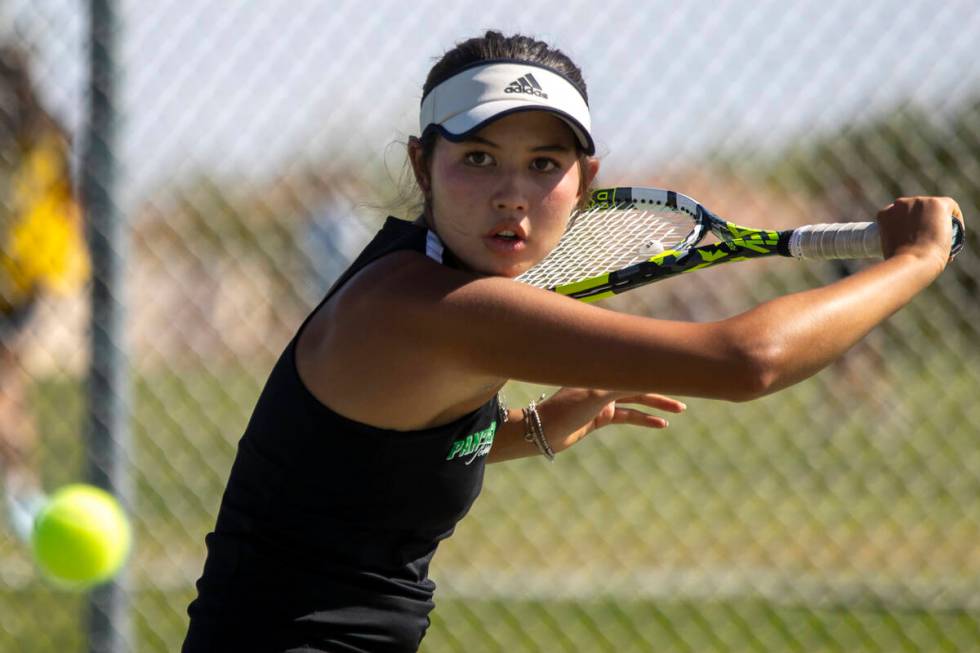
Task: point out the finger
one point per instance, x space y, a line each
639 418
958 214
659 402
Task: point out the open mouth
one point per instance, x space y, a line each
508 230
507 239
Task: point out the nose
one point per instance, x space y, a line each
510 194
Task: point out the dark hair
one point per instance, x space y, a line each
494 45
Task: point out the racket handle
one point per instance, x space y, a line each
848 240
831 241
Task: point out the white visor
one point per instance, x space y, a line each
475 96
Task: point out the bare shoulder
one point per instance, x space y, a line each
373 352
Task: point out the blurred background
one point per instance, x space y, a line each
256 146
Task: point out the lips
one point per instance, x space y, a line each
506 238
508 230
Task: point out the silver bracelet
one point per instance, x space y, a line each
534 431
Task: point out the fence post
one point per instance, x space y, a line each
108 384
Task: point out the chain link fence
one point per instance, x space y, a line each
261 145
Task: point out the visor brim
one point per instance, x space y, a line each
464 124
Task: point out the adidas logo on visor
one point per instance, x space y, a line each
526 84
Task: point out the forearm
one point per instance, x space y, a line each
797 335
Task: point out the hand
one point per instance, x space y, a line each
919 226
572 413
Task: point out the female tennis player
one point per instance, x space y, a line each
369 441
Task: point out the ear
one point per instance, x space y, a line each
419 165
590 170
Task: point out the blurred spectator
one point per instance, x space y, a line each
41 251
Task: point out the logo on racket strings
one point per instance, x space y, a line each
526 84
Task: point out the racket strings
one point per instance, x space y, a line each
599 241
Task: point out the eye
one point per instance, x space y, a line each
544 164
478 159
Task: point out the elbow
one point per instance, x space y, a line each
755 370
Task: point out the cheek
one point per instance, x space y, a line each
563 197
557 206
453 191
455 182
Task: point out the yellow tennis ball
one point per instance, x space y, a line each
81 536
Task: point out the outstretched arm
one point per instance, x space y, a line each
472 334
501 328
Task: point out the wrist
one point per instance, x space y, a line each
518 435
929 263
534 430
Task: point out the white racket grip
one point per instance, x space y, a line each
849 240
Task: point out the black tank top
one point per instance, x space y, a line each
327 526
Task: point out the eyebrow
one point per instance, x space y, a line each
540 148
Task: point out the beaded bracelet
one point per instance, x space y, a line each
534 431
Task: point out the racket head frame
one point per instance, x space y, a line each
736 243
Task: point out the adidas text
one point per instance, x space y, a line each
526 84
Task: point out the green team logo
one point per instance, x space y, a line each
473 445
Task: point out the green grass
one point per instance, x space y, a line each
40 619
694 627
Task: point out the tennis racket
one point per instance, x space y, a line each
631 236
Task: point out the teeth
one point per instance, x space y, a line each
507 234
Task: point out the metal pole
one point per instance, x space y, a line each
108 388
